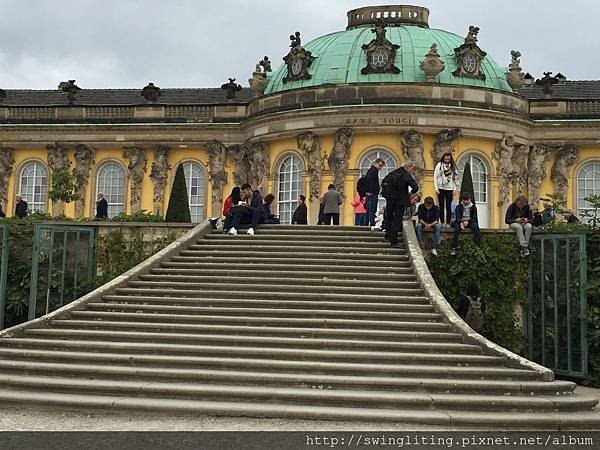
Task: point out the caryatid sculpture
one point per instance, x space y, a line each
58 160
338 159
159 175
310 146
136 168
7 162
566 156
503 154
260 163
217 156
536 172
520 160
445 143
84 160
412 148
241 166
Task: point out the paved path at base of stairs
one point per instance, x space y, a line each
39 419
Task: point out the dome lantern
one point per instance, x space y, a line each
392 15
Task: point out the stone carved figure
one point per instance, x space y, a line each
258 82
310 146
412 148
547 83
159 174
217 156
566 156
136 168
472 35
432 65
518 173
7 162
151 93
445 143
69 88
536 172
515 76
258 158
503 154
231 88
84 160
241 166
338 159
57 157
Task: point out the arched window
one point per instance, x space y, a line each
480 185
111 182
588 183
33 185
290 187
367 161
195 181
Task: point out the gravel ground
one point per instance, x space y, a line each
33 418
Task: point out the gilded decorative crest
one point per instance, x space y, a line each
380 52
298 60
469 57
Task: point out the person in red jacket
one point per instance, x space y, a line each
233 199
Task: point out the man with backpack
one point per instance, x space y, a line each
368 187
395 189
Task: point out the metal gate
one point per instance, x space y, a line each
63 266
556 312
3 269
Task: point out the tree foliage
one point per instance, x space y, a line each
63 187
467 183
179 208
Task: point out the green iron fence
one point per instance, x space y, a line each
62 266
3 269
557 307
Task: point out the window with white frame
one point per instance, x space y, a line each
110 180
289 188
588 183
367 161
479 175
195 181
33 185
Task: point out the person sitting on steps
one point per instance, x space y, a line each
244 211
471 307
263 214
466 217
429 219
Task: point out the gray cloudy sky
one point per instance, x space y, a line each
194 43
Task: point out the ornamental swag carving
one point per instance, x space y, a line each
217 155
310 146
566 156
298 60
338 159
136 168
84 160
469 57
7 162
159 173
381 53
412 148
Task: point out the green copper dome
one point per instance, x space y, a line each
340 58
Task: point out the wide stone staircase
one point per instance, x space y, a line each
297 322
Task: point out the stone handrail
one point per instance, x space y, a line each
96 295
451 317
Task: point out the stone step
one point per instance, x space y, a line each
237 280
291 238
202 311
403 304
270 253
308 380
326 294
250 358
299 289
404 267
262 247
265 320
241 340
118 403
292 260
295 395
304 274
237 330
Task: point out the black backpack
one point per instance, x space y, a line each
361 186
390 185
537 219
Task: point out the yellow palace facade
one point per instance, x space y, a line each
387 86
